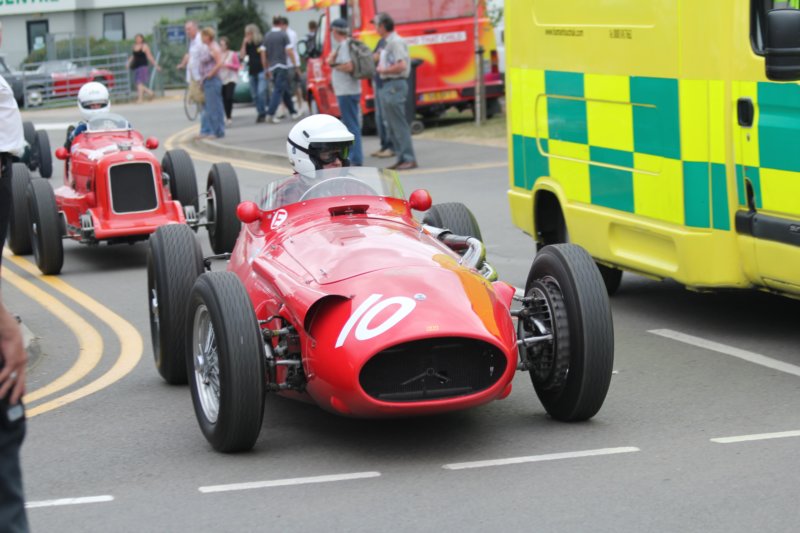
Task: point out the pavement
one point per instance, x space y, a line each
266 143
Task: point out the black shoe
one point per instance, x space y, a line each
261 118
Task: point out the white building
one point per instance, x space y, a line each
26 23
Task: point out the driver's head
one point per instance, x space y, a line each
93 100
318 142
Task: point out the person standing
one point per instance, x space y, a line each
386 149
229 74
212 122
346 87
296 82
394 67
256 56
277 44
141 57
191 60
13 357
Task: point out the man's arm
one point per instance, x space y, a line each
183 62
13 356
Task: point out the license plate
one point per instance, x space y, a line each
439 96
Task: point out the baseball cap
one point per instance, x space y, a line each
340 24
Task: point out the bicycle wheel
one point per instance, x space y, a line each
190 107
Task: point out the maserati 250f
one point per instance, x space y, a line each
336 295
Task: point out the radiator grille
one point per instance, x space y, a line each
431 369
133 188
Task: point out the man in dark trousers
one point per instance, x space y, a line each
394 67
278 45
13 358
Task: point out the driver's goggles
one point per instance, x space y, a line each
327 153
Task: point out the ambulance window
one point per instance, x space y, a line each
425 10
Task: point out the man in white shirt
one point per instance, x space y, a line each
13 357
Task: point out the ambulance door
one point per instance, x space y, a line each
766 127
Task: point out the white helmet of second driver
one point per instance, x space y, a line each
93 100
312 137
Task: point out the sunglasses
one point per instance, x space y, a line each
329 156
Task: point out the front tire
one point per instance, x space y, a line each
453 216
19 223
223 199
45 227
44 155
571 377
174 262
227 371
182 178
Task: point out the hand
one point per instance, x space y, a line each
158 68
12 376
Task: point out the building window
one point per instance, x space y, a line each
37 34
114 26
195 11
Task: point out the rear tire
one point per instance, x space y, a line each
45 227
453 216
584 314
29 132
19 223
182 178
223 199
227 373
44 155
174 262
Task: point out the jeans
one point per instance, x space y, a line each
380 123
350 107
393 96
12 499
280 91
212 121
258 90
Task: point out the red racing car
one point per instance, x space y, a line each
336 295
115 191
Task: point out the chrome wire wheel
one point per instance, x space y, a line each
205 357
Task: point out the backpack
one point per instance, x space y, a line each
363 63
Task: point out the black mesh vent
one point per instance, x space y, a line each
431 369
133 188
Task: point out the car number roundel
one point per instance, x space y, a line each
363 317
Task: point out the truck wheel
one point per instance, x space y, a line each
182 178
34 96
174 262
223 199
227 371
453 216
19 223
493 107
45 227
570 374
44 155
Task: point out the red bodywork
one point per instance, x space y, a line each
87 189
69 83
444 44
357 276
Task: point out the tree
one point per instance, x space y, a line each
233 16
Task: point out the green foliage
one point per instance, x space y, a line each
232 16
81 47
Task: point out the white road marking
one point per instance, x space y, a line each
54 126
751 357
757 436
69 501
540 458
288 482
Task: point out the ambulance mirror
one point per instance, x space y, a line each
782 45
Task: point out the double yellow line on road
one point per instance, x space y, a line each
89 339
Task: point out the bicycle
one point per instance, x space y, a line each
190 107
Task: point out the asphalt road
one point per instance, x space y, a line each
113 435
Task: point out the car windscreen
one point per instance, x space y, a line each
108 122
329 183
425 10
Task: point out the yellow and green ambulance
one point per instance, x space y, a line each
661 135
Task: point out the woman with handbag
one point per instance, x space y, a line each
229 74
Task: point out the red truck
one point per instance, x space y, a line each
440 33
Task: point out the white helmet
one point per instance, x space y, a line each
316 141
93 100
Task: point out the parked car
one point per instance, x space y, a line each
60 78
115 191
14 79
334 294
